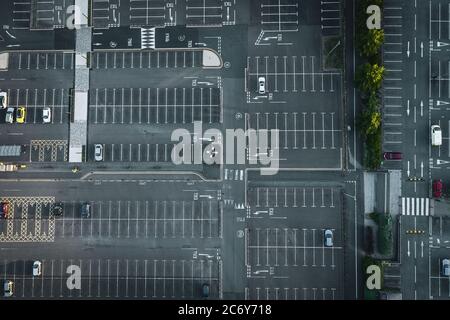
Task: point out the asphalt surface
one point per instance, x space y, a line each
162 231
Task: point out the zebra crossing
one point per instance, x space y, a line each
231 174
415 206
148 38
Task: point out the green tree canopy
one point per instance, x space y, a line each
369 77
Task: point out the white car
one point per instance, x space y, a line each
98 152
46 115
436 135
3 100
37 268
328 238
261 85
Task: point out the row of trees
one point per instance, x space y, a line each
369 79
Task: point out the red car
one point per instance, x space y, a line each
4 209
437 188
393 156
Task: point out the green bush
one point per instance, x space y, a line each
373 154
385 240
369 78
370 42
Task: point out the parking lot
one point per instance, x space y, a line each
147 59
41 60
330 17
140 219
34 100
302 137
394 106
155 105
290 74
439 248
305 130
115 278
285 253
279 16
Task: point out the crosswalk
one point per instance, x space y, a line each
231 174
148 38
415 206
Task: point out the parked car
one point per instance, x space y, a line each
8 288
46 115
436 135
205 290
437 188
57 209
21 115
4 210
261 85
86 210
37 268
393 156
9 118
98 152
328 238
446 267
3 100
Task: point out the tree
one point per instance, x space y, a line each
370 42
369 77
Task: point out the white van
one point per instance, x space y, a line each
436 135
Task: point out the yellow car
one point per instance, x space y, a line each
21 114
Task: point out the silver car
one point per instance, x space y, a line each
46 115
8 288
37 268
261 85
328 238
446 267
98 152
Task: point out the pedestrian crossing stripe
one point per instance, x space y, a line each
415 206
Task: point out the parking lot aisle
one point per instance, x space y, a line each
35 100
286 292
204 13
309 128
152 13
158 59
285 74
141 219
393 102
274 247
293 197
279 15
155 105
41 60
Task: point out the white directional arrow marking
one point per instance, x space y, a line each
442 44
442 103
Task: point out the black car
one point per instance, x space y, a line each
86 210
57 209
